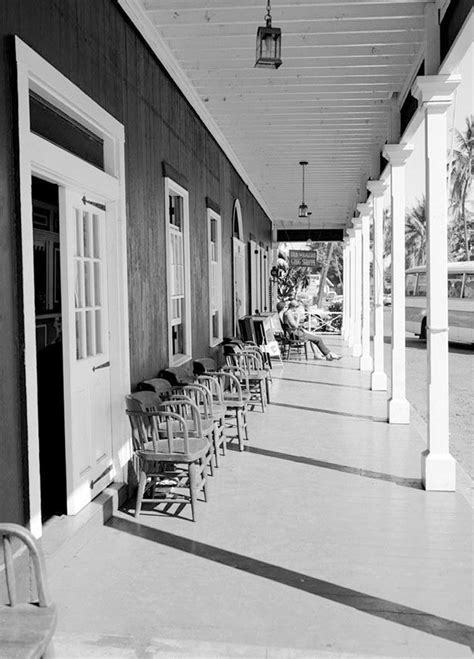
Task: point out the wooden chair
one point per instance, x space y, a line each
156 391
218 410
235 397
236 402
211 415
163 437
291 341
249 370
26 628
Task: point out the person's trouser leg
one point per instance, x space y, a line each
321 345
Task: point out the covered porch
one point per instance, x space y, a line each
317 540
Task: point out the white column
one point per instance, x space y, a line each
398 406
344 289
435 94
347 289
379 377
365 362
357 321
350 329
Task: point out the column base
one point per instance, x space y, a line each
350 341
366 363
356 349
438 471
398 410
378 381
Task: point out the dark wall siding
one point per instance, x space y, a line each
97 48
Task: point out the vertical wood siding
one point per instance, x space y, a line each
97 48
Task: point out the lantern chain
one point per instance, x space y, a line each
268 16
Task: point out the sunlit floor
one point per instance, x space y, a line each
317 541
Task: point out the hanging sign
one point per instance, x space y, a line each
301 258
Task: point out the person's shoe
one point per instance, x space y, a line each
333 356
317 357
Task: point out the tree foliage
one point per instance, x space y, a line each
461 171
415 235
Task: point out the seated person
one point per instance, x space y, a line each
289 320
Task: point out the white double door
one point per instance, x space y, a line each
86 340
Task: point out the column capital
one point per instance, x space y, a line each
356 223
364 210
435 91
350 233
376 188
397 154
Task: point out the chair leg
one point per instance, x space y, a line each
267 388
215 440
239 429
244 417
204 478
193 489
224 443
262 394
140 493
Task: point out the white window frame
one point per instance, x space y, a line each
217 272
173 188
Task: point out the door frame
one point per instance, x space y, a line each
37 157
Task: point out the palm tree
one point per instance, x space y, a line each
462 168
415 235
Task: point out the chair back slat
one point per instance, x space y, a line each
7 531
9 571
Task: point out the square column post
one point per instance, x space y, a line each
398 406
345 289
365 362
438 466
350 326
357 318
378 380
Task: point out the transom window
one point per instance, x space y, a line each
215 277
177 248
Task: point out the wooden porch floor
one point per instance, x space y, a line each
317 541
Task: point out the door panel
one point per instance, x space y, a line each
85 349
240 284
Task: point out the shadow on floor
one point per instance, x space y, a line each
412 483
321 410
326 384
456 348
321 362
375 606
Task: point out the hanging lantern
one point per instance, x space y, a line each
303 208
268 54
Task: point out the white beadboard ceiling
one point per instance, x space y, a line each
329 103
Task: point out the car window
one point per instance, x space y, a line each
421 286
410 285
469 287
455 285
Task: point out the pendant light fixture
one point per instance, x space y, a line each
303 209
268 54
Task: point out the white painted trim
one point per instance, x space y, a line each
238 210
40 157
138 16
171 187
212 215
